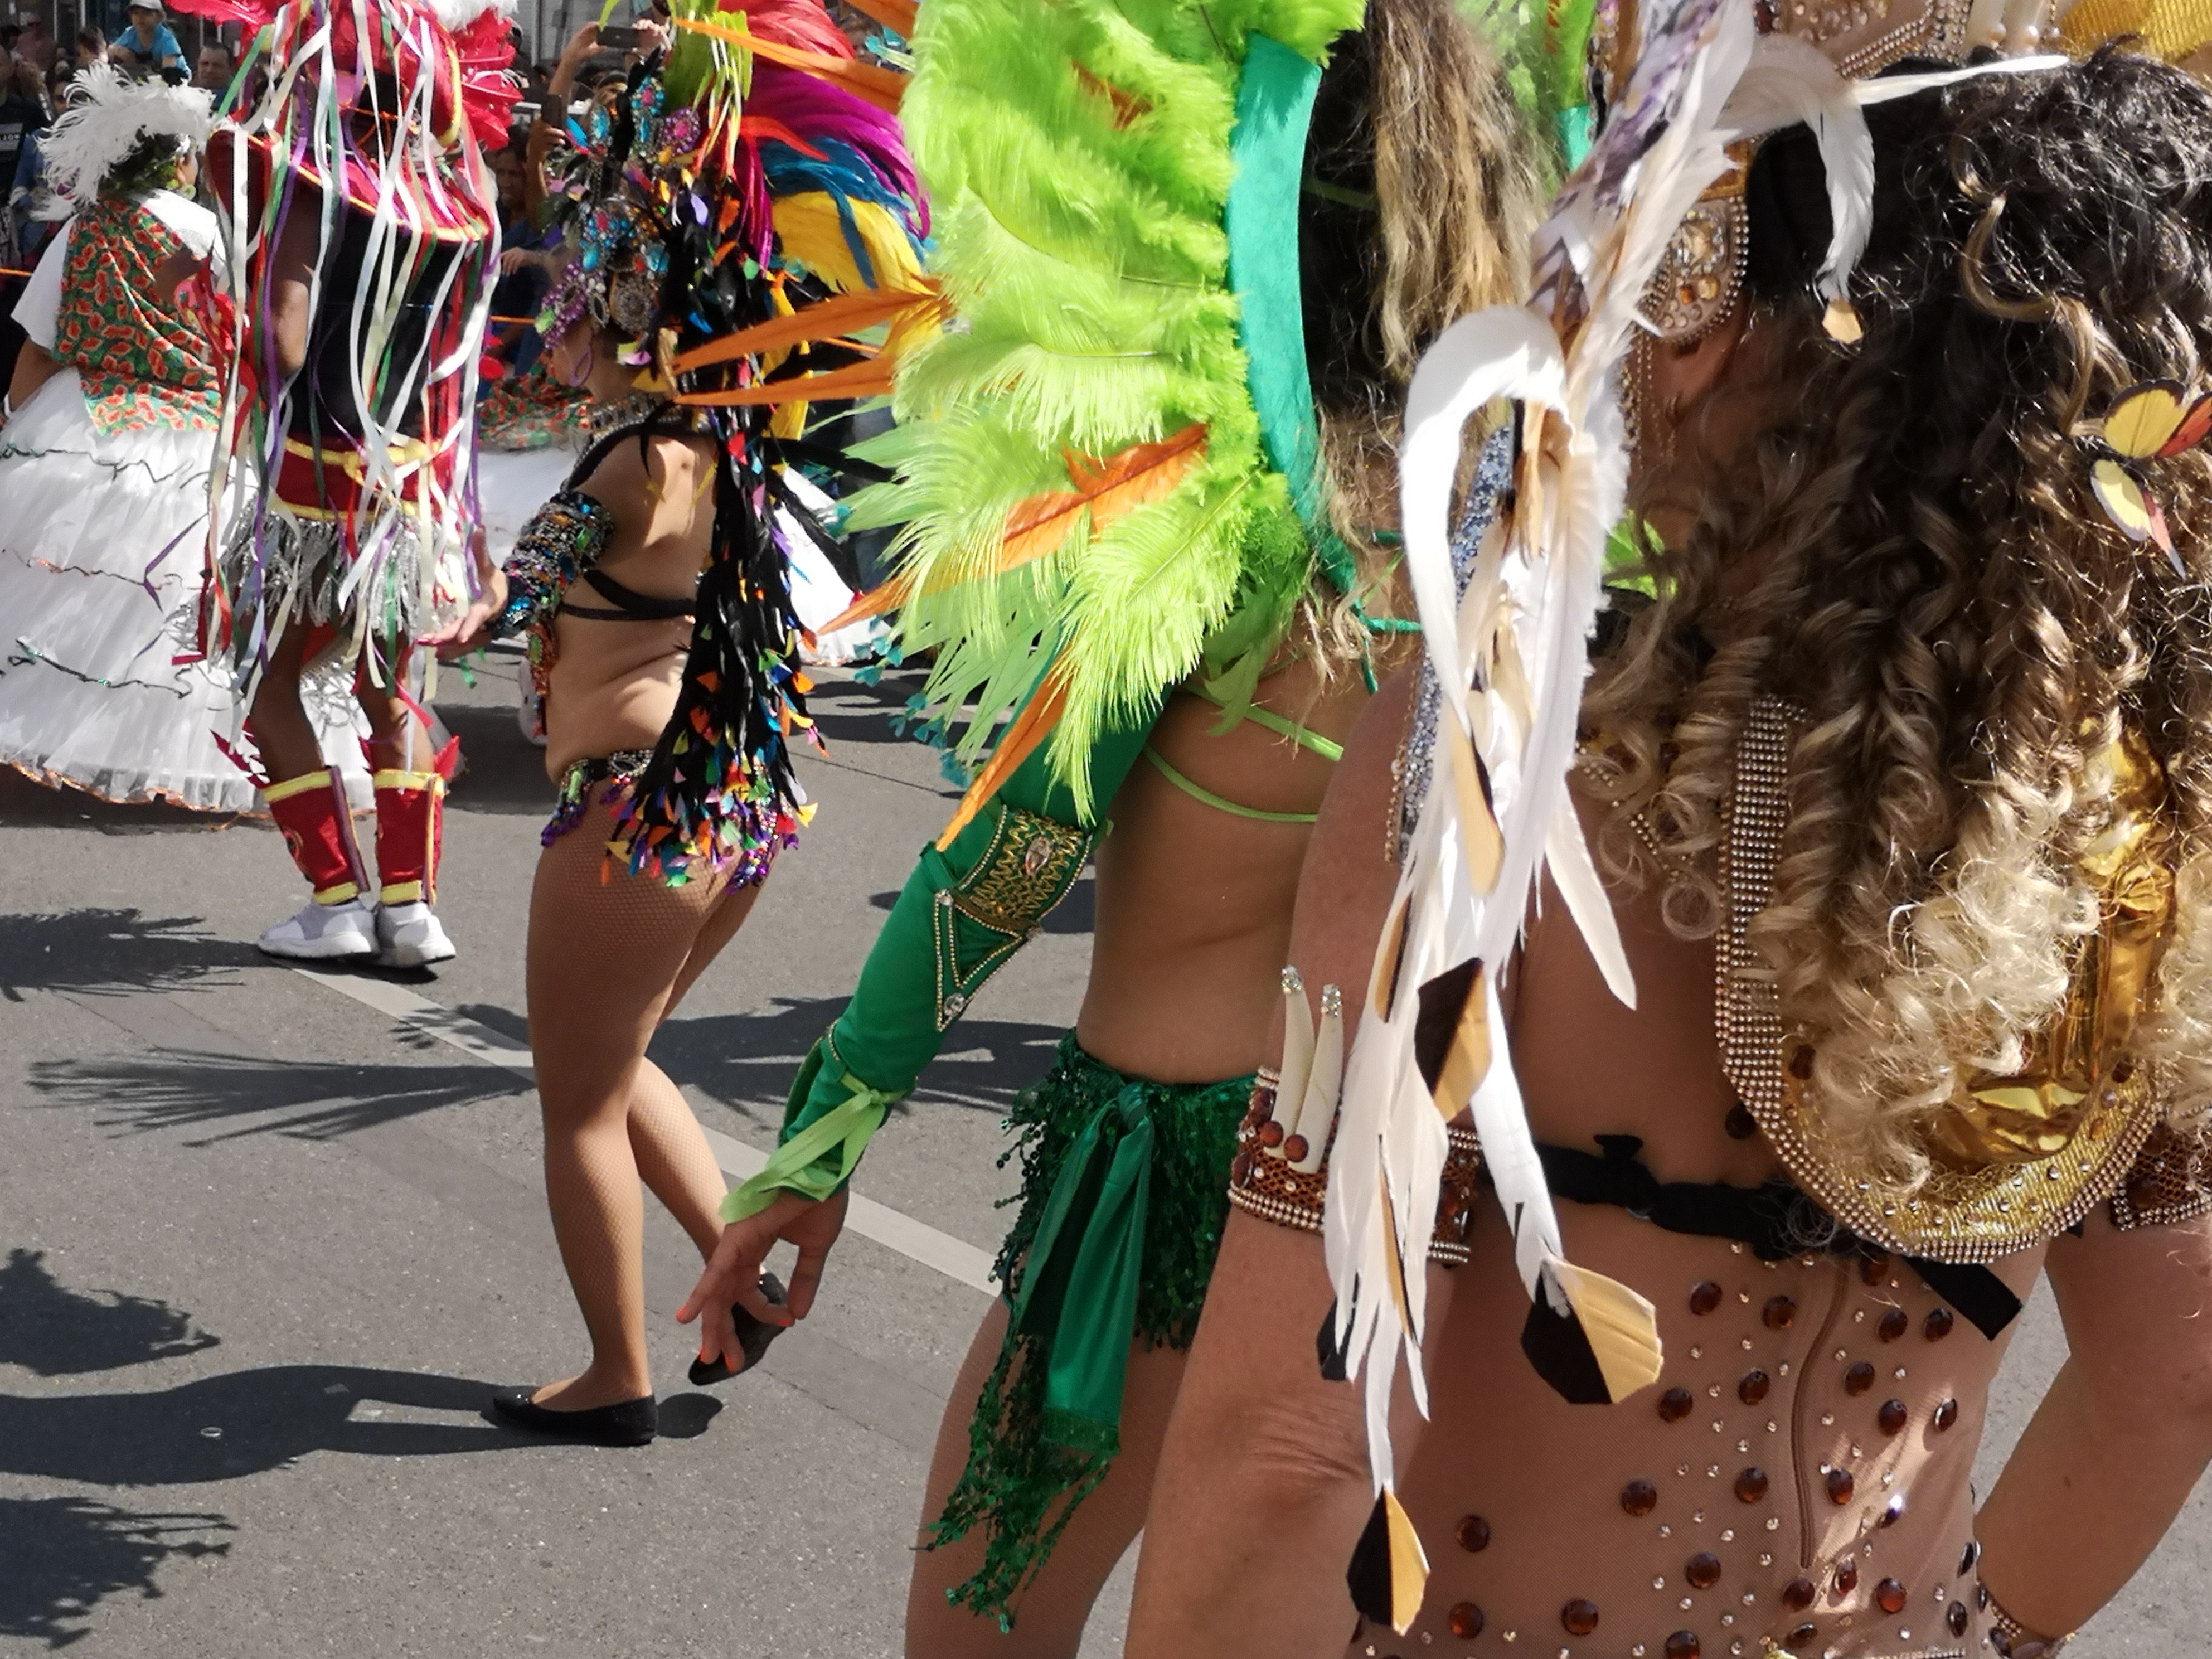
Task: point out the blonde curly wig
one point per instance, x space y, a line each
1909 551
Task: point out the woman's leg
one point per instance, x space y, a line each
602 959
1050 1617
277 722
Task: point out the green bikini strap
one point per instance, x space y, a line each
1326 748
1199 792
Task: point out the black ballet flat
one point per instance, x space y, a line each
625 1423
753 1337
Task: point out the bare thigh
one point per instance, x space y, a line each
1049 1618
721 926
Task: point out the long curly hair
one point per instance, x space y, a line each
1909 551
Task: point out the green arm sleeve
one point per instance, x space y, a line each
961 916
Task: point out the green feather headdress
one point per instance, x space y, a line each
1092 504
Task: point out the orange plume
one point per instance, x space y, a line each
869 81
864 380
1111 489
896 16
825 319
1016 744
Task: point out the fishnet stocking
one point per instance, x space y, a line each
607 960
1050 1613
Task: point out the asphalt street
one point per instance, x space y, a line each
271 1238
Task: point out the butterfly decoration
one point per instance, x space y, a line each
2151 421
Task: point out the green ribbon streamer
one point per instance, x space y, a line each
815 1159
1078 1295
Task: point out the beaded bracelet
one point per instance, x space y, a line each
2014 1640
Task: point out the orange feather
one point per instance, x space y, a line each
878 85
1111 489
884 596
868 379
896 16
825 319
1016 744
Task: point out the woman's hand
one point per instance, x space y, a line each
652 35
732 1273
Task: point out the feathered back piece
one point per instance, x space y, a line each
1511 656
1092 504
743 219
384 111
109 116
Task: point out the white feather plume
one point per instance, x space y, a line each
107 118
456 14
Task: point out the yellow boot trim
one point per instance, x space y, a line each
429 781
299 785
405 892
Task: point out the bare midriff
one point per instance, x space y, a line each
614 685
1194 903
1798 1476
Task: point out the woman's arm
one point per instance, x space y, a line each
291 280
35 366
2124 1433
1263 1483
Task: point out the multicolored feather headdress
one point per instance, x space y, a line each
742 217
1108 470
1512 657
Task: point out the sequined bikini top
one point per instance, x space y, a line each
2015 1159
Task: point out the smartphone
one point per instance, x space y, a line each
617 37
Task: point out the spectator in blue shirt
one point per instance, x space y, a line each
147 47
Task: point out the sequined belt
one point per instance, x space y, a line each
573 797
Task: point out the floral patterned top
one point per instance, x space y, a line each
141 364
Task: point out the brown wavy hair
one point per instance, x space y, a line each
1909 550
1423 192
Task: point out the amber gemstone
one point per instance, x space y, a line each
1704 1298
1938 1324
1889 1596
1751 1484
1801 1638
1779 1312
1466 1620
1847 1577
1240 1169
1873 1269
1970 1557
1859 1378
1684 1645
1295 1148
1947 1414
1841 1485
1752 1388
1674 1405
1797 1595
1801 1062
1579 1616
1893 1417
1958 1618
1271 1133
1473 1533
1740 1123
1704 1571
1892 1326
1640 1498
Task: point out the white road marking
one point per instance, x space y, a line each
893 1229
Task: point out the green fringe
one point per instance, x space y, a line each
1021 1485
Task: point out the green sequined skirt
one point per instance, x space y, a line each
1020 1486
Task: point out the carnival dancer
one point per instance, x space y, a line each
104 465
1172 580
1904 763
734 210
359 229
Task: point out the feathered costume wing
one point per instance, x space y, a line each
1090 509
1511 656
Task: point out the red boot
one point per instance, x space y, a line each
410 814
318 825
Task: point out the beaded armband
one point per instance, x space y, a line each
564 538
1027 868
1267 1179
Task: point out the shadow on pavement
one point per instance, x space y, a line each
110 952
65 1554
31 804
62 1333
243 1423
172 1089
749 1060
507 771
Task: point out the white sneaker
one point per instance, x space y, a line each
408 936
325 932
